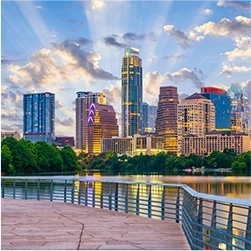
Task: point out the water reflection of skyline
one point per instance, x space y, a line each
230 186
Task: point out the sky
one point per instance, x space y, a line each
68 46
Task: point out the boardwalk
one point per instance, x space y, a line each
40 225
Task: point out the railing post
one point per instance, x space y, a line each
213 226
51 190
65 184
93 194
126 199
137 201
230 228
149 206
248 231
86 193
38 189
102 196
163 203
79 192
14 189
3 187
178 205
25 190
110 197
199 227
116 197
72 191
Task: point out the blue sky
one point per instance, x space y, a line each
69 46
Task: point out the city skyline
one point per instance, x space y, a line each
68 46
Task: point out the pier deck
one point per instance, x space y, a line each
41 225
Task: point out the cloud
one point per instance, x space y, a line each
97 4
5 61
11 116
133 36
207 12
64 122
196 76
229 69
245 5
152 82
112 41
68 61
113 94
243 49
174 57
180 36
58 105
247 90
226 27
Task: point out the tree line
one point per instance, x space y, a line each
166 163
22 157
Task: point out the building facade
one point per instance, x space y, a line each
136 145
64 141
239 121
131 93
16 135
166 120
149 114
215 141
83 102
196 116
221 101
39 117
101 123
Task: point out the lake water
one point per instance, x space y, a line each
230 186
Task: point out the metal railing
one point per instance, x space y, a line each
208 221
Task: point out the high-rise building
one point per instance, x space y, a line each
39 117
149 114
221 101
131 93
83 102
239 122
196 116
166 120
101 123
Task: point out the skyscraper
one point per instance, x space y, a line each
196 115
239 122
83 102
221 101
39 117
149 114
166 120
101 123
131 93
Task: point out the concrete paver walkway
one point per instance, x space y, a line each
41 225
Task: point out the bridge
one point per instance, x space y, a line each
205 221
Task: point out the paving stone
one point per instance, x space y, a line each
43 225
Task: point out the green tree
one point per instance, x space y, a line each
6 159
70 161
10 142
24 158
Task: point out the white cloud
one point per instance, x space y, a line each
207 12
226 27
230 68
97 4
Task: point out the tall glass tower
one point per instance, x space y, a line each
39 117
131 94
